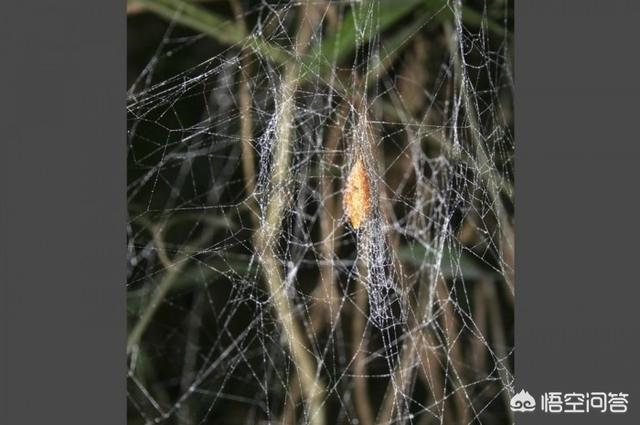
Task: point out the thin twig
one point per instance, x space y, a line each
326 287
506 244
246 119
325 294
499 343
191 351
360 344
267 236
175 266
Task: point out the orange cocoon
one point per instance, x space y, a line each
357 195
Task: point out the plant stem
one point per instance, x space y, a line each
246 120
506 244
361 342
168 280
267 236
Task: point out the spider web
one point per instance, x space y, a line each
252 297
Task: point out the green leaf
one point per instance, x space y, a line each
197 18
196 275
220 28
360 24
453 264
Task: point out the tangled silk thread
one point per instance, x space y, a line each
357 196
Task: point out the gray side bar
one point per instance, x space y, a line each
577 176
63 132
